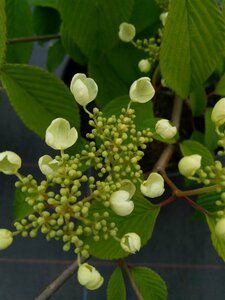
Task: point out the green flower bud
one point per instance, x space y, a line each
153 186
88 276
141 90
126 32
163 17
220 229
188 165
131 242
144 65
10 162
6 238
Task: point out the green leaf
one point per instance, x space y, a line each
143 112
220 88
56 54
19 24
149 283
45 3
211 137
208 201
2 31
116 288
21 208
140 221
218 244
94 24
186 59
189 147
38 97
198 100
197 136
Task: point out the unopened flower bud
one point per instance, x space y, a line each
144 65
48 165
126 32
218 112
131 242
83 88
163 17
6 238
88 276
120 203
188 165
153 186
220 229
59 135
10 162
142 90
165 129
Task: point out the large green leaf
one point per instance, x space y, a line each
38 97
198 100
56 54
208 201
19 24
140 221
116 288
189 147
220 88
192 43
218 244
20 207
2 31
149 283
45 3
94 24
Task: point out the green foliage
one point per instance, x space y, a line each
208 201
189 147
2 31
210 132
140 221
186 59
149 283
220 88
21 208
19 24
218 244
198 100
38 97
45 3
116 287
56 54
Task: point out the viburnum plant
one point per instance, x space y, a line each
108 212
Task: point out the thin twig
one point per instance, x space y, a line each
195 205
31 39
58 282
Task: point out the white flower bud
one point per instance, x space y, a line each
88 276
59 135
10 162
142 90
131 242
165 129
144 65
153 186
83 88
218 113
6 238
188 165
220 229
126 32
163 17
120 203
48 165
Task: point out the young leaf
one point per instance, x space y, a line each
186 58
19 24
20 207
149 283
94 24
56 54
218 244
189 147
210 132
116 288
2 31
38 97
141 221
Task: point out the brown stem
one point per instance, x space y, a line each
167 201
207 189
195 205
31 39
133 284
58 282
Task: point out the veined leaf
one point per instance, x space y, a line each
2 31
189 147
198 100
56 54
218 244
149 283
192 44
94 24
116 288
19 24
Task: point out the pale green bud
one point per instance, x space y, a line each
84 89
131 242
10 162
6 238
59 135
48 165
153 186
126 32
218 112
163 17
220 229
141 90
188 165
120 203
144 65
88 276
165 129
